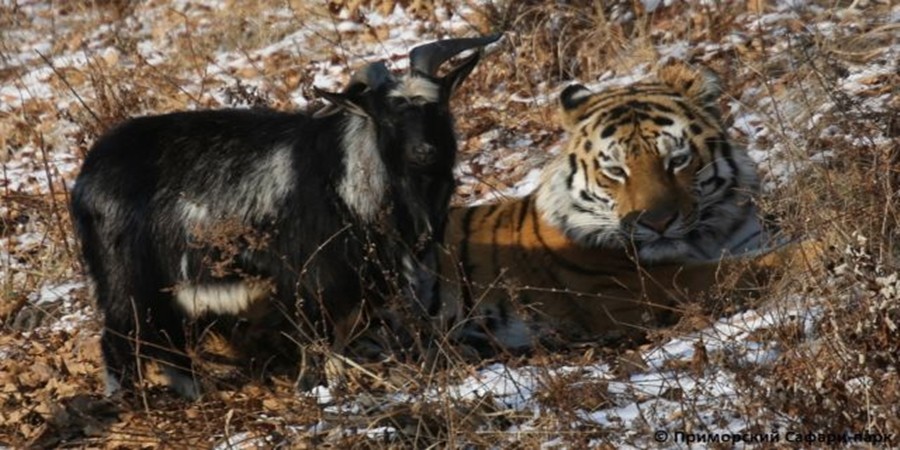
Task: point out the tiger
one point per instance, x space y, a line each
632 215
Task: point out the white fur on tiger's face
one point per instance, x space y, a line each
649 167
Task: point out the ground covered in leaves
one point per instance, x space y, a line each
811 92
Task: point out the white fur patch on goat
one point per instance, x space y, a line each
184 266
224 298
112 384
365 177
193 213
260 192
412 87
254 196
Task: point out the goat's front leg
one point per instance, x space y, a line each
318 359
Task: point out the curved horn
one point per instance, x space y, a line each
372 75
427 58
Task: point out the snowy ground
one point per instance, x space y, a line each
54 64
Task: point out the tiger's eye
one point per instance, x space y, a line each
679 161
616 172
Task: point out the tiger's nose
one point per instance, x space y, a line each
658 220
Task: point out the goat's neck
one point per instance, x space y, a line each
364 183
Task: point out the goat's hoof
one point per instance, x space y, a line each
182 383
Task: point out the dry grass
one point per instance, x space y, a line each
815 113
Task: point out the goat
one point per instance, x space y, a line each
203 214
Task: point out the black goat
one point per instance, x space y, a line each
202 214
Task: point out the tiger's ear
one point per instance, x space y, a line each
572 102
699 84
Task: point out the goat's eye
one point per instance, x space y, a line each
420 101
408 102
616 172
679 161
401 102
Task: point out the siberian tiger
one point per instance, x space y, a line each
635 211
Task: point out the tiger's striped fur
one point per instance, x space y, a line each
634 212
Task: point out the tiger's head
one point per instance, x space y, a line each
649 166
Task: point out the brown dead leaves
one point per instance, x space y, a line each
38 369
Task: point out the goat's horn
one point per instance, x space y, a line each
427 58
372 75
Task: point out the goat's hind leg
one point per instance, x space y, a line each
168 348
132 337
117 343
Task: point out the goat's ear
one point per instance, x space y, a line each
348 101
451 81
